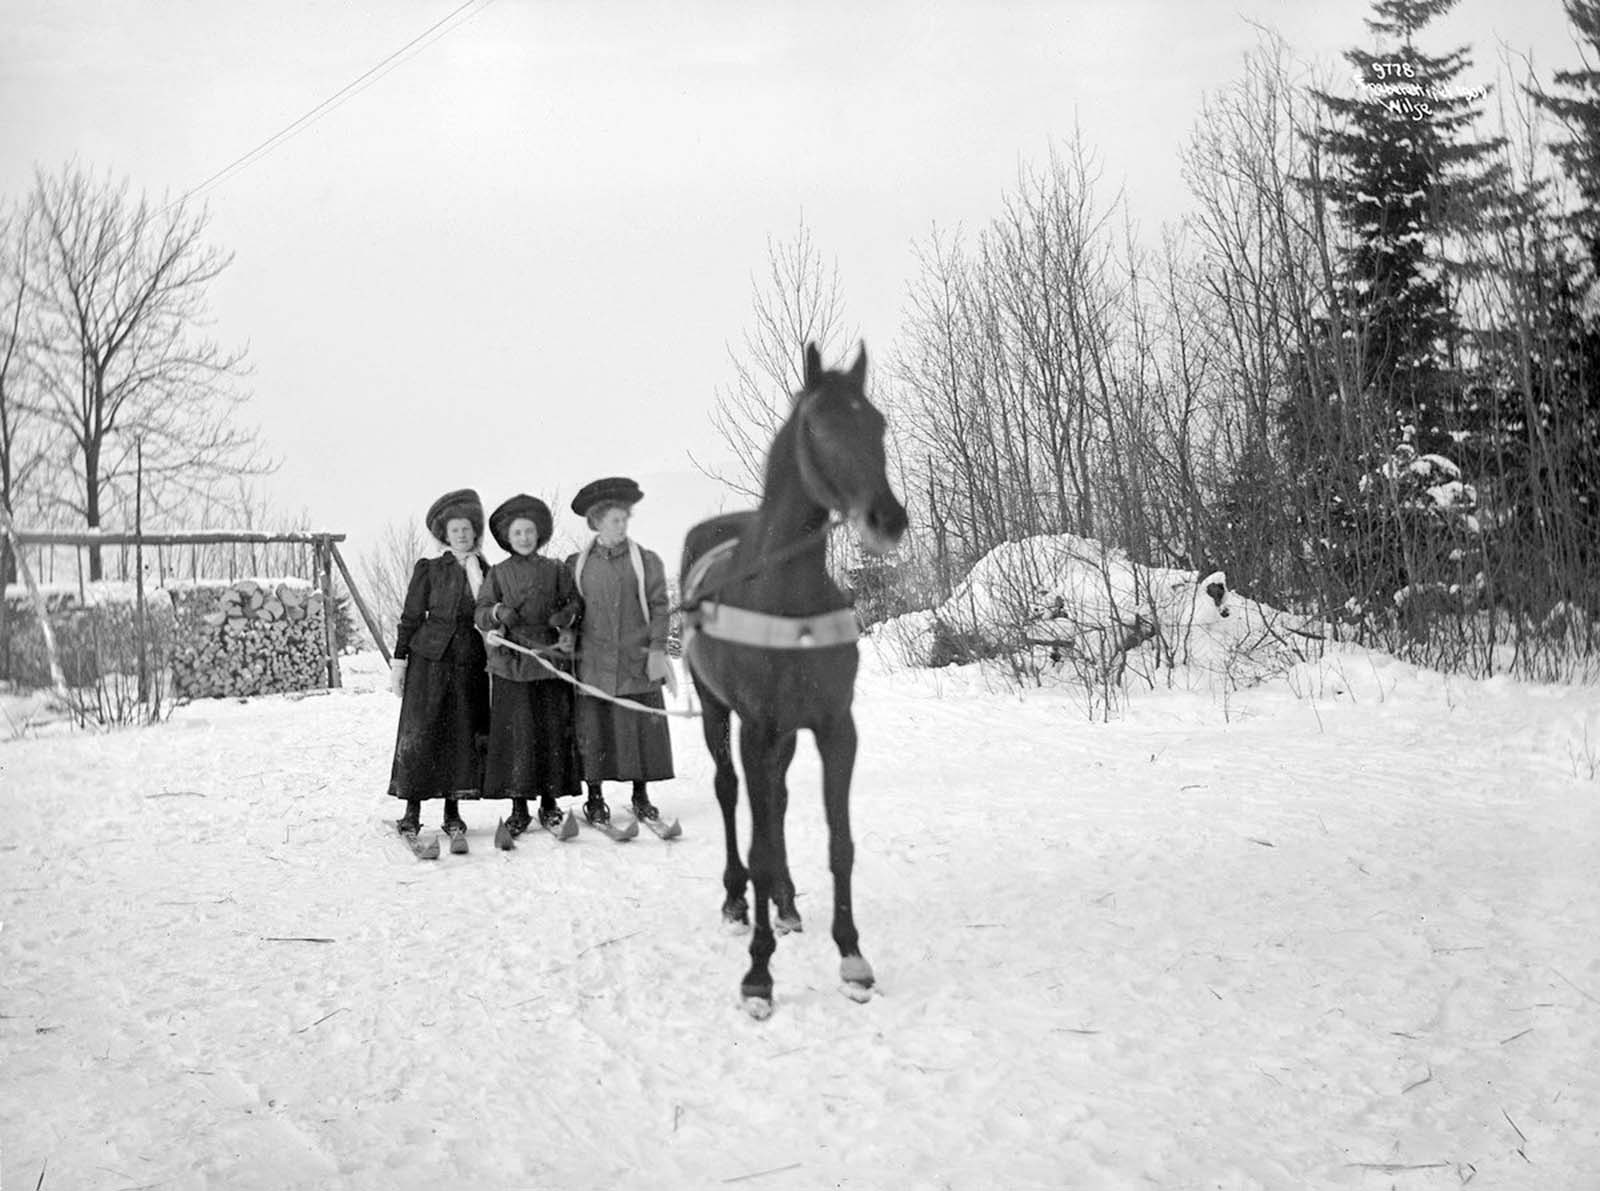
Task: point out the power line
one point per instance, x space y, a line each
350 89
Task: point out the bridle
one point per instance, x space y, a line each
815 480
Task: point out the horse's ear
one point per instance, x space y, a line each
858 370
813 366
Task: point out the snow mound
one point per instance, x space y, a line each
1063 601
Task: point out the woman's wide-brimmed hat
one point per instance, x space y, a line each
613 490
521 505
463 502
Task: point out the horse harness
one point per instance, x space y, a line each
741 626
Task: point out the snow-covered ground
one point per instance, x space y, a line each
1338 930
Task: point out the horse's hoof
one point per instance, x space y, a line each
756 1000
856 973
788 925
859 993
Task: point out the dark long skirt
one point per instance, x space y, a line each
531 748
618 745
444 720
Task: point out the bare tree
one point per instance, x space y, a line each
386 571
796 303
15 459
1266 309
1030 381
941 411
118 289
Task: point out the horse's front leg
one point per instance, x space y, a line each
758 749
783 896
716 723
836 742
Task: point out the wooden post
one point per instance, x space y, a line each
5 608
361 604
141 622
324 548
7 568
58 679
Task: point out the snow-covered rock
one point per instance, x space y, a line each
1070 601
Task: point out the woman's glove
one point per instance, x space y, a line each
507 615
658 669
397 676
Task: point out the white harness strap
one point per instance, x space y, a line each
723 622
744 627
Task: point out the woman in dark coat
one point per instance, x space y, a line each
438 672
530 601
622 650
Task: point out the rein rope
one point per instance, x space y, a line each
539 656
689 604
777 556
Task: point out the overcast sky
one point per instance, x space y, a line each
517 260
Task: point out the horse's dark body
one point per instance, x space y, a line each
827 456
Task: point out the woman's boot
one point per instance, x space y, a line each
411 822
643 808
455 827
520 819
595 809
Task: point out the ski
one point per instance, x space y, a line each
458 841
565 830
620 834
422 849
662 828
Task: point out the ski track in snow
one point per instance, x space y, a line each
1340 938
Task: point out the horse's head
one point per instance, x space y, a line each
839 447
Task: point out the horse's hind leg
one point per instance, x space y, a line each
783 884
837 745
715 721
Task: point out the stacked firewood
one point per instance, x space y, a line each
252 637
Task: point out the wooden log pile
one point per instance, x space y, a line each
250 637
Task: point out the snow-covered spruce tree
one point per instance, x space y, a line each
1533 420
1254 284
1576 103
1561 444
1404 178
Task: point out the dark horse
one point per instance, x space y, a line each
770 636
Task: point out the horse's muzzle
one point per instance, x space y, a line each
880 525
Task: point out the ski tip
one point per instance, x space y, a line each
502 837
672 830
628 832
569 826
